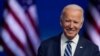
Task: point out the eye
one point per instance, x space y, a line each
67 20
75 22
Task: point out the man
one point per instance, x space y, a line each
69 43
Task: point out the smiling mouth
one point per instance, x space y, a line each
70 31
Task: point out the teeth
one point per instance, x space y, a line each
70 31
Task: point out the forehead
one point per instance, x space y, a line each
72 10
74 14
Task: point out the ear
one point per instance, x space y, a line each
81 25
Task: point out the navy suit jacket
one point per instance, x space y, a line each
51 47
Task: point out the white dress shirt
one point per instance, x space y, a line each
73 44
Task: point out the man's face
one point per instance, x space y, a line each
71 22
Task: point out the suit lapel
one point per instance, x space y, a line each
80 48
57 46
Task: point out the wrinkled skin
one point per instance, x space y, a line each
71 22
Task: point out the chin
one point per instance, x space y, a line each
71 35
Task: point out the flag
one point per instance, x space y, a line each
20 35
93 24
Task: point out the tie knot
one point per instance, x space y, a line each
69 41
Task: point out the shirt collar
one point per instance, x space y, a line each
74 40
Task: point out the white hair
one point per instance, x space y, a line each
73 6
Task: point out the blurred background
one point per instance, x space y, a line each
25 23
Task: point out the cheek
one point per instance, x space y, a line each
66 24
79 26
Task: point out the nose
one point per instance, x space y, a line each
71 25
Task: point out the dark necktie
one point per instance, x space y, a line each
68 48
